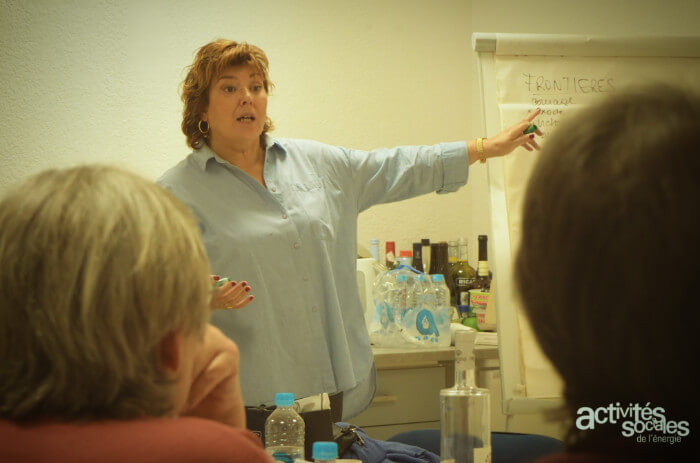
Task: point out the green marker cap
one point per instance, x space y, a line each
530 129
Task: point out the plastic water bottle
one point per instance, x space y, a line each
442 311
416 304
284 430
395 307
324 452
398 297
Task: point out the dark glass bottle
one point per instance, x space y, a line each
439 264
463 275
483 275
425 242
417 262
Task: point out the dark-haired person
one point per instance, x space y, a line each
607 269
106 353
282 213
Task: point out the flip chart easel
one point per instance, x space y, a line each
558 73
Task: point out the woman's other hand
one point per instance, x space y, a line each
512 137
215 392
231 295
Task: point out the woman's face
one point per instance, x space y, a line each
237 108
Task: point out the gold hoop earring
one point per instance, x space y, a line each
204 130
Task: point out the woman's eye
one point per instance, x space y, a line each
229 89
257 88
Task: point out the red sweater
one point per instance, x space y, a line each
180 440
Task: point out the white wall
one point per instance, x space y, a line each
89 81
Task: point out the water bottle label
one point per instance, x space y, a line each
425 323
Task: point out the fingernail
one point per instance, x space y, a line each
532 135
216 277
247 288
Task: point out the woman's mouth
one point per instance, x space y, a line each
246 119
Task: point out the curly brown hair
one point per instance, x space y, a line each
209 62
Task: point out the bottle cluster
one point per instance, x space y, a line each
411 309
469 288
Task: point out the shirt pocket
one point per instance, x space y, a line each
313 199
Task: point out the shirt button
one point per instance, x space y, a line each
306 278
273 189
297 245
284 216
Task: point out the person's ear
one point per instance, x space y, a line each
170 351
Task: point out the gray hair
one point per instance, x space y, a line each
98 266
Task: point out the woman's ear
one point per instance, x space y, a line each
170 351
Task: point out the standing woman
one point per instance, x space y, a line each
282 213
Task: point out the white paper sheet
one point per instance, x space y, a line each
560 85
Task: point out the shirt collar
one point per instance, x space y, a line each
203 154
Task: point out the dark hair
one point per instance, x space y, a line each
608 263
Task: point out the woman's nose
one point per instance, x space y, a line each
247 97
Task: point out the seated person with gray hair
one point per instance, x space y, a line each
106 353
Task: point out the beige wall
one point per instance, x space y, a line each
97 80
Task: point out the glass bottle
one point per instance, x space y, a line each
464 278
452 254
374 248
483 275
390 255
425 244
439 264
465 429
417 262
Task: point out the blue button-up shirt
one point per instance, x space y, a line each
295 242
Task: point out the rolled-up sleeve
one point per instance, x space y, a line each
387 175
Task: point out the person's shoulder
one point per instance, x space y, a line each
180 172
181 440
304 146
197 439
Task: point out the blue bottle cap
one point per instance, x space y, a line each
284 399
401 278
324 450
374 241
438 277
